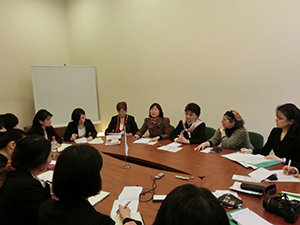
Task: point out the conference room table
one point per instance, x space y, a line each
207 170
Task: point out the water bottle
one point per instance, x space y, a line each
54 146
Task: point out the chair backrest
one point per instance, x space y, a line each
172 128
256 139
209 132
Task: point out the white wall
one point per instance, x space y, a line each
32 32
222 55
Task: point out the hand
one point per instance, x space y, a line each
297 176
58 145
128 134
136 137
221 127
90 138
73 137
202 146
124 212
289 170
182 139
154 139
246 151
274 157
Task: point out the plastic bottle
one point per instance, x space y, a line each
54 146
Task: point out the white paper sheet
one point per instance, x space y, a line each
63 146
244 178
260 174
145 141
248 217
98 198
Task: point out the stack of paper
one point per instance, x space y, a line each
129 195
248 217
114 139
63 146
145 141
172 147
250 160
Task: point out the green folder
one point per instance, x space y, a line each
266 164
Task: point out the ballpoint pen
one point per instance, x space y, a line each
124 206
289 165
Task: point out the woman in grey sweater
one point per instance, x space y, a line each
231 134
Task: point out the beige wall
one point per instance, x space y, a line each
32 32
222 55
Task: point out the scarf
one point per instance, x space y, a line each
193 126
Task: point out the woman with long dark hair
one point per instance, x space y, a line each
21 192
41 125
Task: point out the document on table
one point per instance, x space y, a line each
96 141
98 198
145 141
172 147
129 194
80 140
283 177
248 217
63 146
114 139
136 216
206 150
244 178
250 160
260 174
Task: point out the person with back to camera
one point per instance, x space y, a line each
8 143
159 126
77 177
21 192
188 204
80 127
41 125
122 120
231 134
284 139
192 129
10 121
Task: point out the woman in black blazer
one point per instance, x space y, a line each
79 127
41 126
21 192
121 121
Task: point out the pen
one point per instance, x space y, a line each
124 206
181 177
288 194
289 164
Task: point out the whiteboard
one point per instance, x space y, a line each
61 89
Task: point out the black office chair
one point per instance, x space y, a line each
209 131
256 139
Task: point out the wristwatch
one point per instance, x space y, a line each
222 130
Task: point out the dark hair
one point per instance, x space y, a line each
194 108
291 112
188 204
76 114
234 116
161 113
77 173
30 152
9 120
121 105
11 135
41 115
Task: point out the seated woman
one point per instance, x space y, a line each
159 126
188 204
79 127
41 126
8 143
21 192
231 134
121 121
284 140
10 121
192 129
77 177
